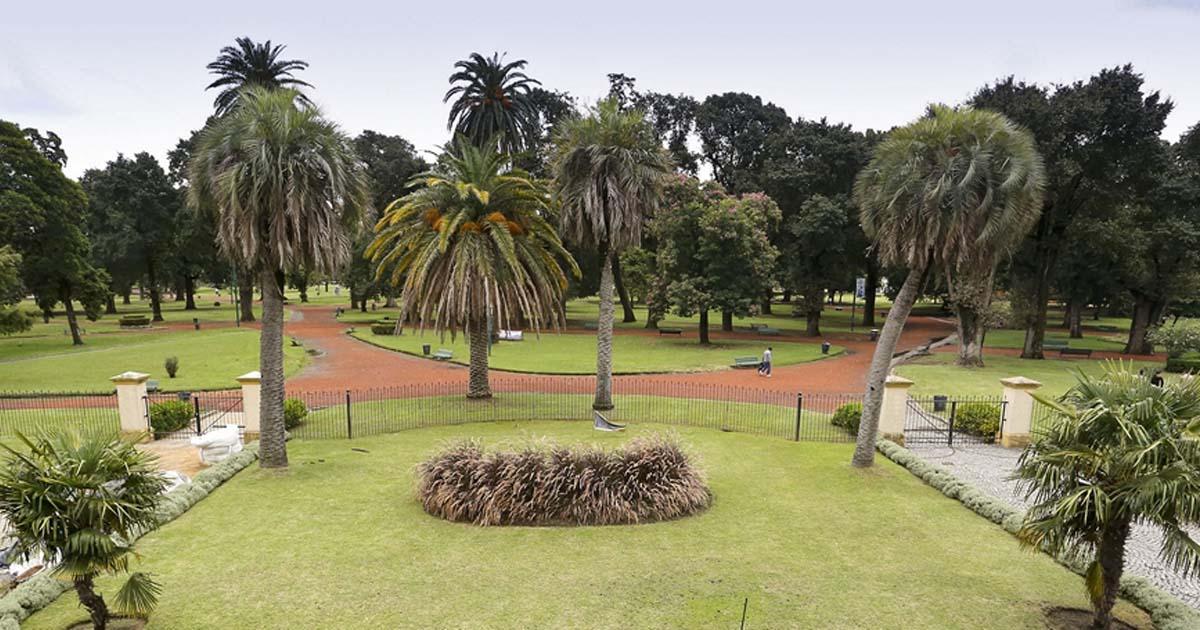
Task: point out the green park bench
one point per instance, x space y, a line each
756 327
443 354
670 331
746 362
591 326
767 330
1055 345
1074 352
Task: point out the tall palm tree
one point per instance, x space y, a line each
249 64
1118 454
952 191
288 190
472 247
609 172
492 101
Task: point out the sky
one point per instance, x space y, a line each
122 77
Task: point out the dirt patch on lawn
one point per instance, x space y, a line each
1058 618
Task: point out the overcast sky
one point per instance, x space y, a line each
115 76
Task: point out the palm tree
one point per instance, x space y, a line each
609 172
84 501
472 248
954 191
288 190
249 64
1118 454
492 101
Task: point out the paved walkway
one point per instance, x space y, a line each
345 361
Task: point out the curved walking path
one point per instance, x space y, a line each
348 363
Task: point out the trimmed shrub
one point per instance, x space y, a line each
1179 365
848 417
294 412
979 419
168 416
649 479
1178 338
134 321
383 329
171 365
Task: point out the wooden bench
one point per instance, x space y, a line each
1076 352
1055 346
766 330
591 326
746 362
670 331
442 354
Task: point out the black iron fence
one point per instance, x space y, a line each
949 420
1044 416
183 415
34 413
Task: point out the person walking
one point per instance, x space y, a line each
764 366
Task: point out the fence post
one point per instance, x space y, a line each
1018 411
251 399
349 427
894 408
799 413
196 405
131 402
953 413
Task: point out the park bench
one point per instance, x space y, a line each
757 327
746 362
591 326
766 330
670 331
511 335
1078 352
443 354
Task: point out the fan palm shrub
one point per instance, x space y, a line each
493 103
288 191
1118 453
83 501
951 193
472 249
609 174
249 64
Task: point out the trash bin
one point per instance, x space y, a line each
825 347
939 403
874 334
425 349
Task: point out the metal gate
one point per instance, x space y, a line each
184 415
948 421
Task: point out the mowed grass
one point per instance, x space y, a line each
208 359
339 541
937 374
575 352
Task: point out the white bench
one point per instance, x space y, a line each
511 335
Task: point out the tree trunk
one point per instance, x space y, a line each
303 288
604 334
787 295
970 337
868 428
273 446
72 321
110 305
1145 315
362 305
246 296
872 285
812 319
155 295
704 326
477 384
391 299
766 303
189 292
92 601
125 296
1075 319
727 321
1110 558
1035 330
619 284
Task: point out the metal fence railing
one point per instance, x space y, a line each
946 420
33 413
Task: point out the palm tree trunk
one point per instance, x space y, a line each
1111 557
92 601
868 319
72 320
619 283
155 295
889 337
604 335
477 385
273 446
246 296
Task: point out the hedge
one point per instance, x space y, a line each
1166 611
1183 364
39 591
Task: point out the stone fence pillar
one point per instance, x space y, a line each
131 401
251 397
1018 411
894 408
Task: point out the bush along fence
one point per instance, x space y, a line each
39 591
1166 611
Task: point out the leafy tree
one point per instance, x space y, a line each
248 64
197 255
136 198
552 108
493 102
953 190
49 145
1118 453
609 172
1178 337
713 251
288 190
12 320
673 117
817 255
83 501
735 130
474 251
1099 139
391 162
41 212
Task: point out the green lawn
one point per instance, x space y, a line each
575 352
208 359
937 374
340 542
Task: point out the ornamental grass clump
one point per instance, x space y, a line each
650 479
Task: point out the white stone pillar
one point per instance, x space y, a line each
131 401
894 408
1018 411
251 397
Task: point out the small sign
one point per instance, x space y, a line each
860 288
